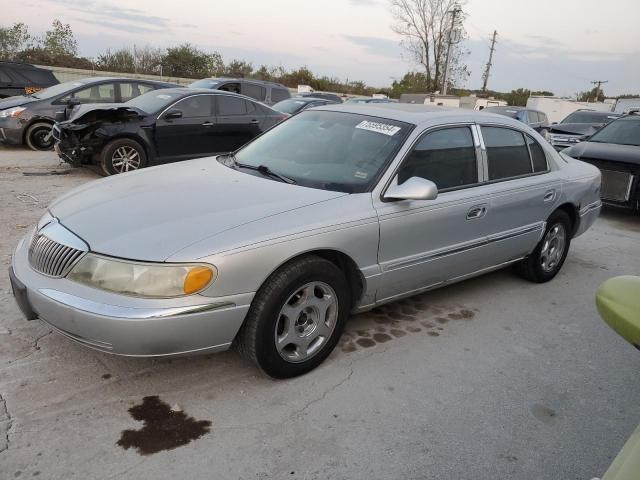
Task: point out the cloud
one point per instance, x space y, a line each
382 47
366 3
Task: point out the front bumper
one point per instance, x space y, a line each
125 325
11 131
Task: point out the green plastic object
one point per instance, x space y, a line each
618 302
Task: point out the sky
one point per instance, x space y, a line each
554 45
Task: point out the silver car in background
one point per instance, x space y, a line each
336 210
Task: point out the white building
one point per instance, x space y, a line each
558 108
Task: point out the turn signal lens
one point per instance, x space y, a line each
197 279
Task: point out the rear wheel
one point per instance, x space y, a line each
39 137
547 259
296 318
122 155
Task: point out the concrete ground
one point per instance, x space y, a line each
493 378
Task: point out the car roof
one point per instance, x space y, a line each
90 80
420 114
184 91
250 80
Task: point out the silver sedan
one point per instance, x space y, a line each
338 209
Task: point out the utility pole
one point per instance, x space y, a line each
488 69
451 41
598 83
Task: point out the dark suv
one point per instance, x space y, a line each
29 118
268 93
534 118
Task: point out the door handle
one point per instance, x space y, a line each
255 121
549 195
207 124
476 212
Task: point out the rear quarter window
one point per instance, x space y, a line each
279 94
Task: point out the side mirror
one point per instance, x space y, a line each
172 114
619 305
73 102
554 123
415 188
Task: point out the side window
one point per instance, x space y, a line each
507 154
131 90
104 93
538 157
254 91
447 157
228 105
251 107
230 87
279 94
533 117
542 117
194 107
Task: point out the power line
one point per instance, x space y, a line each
487 71
598 83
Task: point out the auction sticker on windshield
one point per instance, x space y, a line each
383 128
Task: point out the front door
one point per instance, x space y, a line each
426 242
189 136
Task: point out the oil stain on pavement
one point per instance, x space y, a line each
163 429
398 319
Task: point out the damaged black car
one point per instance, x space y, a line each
578 126
160 127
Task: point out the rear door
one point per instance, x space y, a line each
237 121
189 136
130 90
524 191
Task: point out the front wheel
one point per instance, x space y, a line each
296 318
39 136
547 259
122 155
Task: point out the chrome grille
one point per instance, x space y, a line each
52 258
616 186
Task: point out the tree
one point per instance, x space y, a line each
121 60
238 68
187 61
425 27
412 82
13 40
59 41
590 95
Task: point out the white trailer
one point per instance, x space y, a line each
558 108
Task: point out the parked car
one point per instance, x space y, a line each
615 150
338 209
18 79
618 302
369 100
160 127
578 126
294 105
534 118
28 119
268 93
327 96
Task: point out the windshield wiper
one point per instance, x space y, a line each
263 169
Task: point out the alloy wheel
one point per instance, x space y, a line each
125 159
553 247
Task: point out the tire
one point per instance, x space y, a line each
122 155
547 259
296 318
38 136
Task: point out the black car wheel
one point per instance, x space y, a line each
39 136
122 155
296 318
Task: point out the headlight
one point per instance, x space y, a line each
12 112
140 279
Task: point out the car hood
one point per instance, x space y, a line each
16 101
152 213
575 128
80 111
605 151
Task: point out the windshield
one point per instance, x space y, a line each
290 106
507 112
589 117
57 90
624 131
357 100
334 151
152 102
205 83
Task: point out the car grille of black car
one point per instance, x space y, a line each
52 258
616 186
